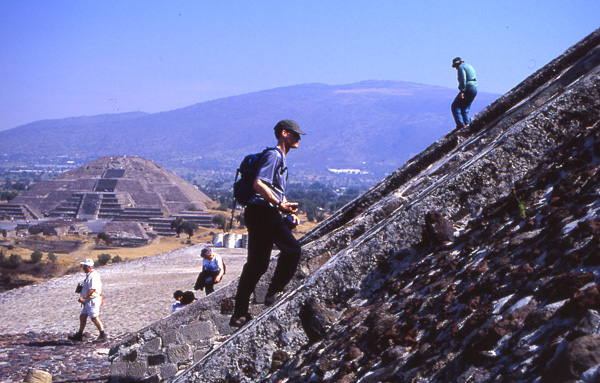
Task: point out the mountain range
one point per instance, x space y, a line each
373 126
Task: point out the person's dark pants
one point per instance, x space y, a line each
206 280
265 228
461 107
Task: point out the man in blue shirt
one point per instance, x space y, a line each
266 226
467 85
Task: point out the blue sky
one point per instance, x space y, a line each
62 58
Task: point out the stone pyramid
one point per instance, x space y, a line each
476 261
111 187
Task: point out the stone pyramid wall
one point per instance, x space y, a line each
354 314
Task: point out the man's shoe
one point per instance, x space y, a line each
272 298
240 321
78 337
102 336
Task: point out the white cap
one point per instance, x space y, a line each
87 262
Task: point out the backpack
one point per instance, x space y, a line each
243 188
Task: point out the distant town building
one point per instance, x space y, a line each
347 171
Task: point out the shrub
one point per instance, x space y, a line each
189 228
52 257
219 220
320 216
14 261
103 259
117 258
36 256
104 237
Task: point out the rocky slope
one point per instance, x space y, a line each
136 292
475 261
514 297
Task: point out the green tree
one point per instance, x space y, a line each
219 221
52 257
189 227
20 186
103 259
176 225
117 258
310 208
36 256
14 261
8 195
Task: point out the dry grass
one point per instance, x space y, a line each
69 262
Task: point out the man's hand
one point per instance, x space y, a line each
295 219
289 207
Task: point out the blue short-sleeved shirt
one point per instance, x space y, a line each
273 172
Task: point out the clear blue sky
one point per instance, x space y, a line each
63 58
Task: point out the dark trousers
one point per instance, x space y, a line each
265 228
461 107
206 280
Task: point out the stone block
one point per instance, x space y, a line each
148 335
137 370
179 352
131 356
227 306
154 360
197 331
118 368
38 376
170 337
221 323
153 346
588 325
168 370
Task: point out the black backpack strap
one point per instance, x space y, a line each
237 173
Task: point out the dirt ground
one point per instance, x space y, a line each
136 293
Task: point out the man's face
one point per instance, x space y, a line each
86 268
292 139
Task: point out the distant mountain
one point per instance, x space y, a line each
372 125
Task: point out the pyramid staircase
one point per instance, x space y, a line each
16 212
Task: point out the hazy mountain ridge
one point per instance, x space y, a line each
370 124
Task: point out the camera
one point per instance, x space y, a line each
289 222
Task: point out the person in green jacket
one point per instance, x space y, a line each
467 86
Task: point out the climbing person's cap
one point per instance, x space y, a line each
87 262
456 62
288 125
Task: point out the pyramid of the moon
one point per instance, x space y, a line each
118 187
